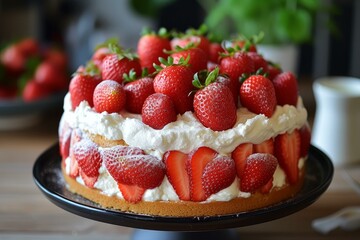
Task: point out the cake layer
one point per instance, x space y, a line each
187 208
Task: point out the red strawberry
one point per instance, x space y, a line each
198 161
176 172
197 58
57 57
267 187
259 169
50 75
145 171
218 174
74 167
240 154
176 82
214 52
257 94
35 91
99 55
259 61
89 181
131 193
235 65
265 147
305 134
158 110
287 151
76 136
115 65
136 93
64 142
197 40
88 157
209 107
286 88
13 58
151 47
109 96
82 87
118 151
273 70
29 47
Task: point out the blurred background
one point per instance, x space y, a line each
324 33
332 48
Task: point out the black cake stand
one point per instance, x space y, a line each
48 177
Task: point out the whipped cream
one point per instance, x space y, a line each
186 134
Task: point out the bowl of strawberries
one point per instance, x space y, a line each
33 79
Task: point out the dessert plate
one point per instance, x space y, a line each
48 177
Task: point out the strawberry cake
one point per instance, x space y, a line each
183 127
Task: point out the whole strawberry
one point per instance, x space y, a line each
234 65
109 96
151 46
175 80
118 63
214 52
259 61
194 37
286 88
197 57
257 94
210 102
158 110
82 86
136 93
50 75
35 91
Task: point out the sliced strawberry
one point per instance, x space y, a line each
131 193
218 174
287 151
265 147
115 152
259 169
176 172
145 171
267 187
76 136
305 133
89 181
65 142
88 157
74 167
200 158
240 155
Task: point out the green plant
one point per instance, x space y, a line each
282 21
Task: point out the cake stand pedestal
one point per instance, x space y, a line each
48 177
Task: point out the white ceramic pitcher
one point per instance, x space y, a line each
336 128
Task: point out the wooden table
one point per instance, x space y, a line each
25 213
